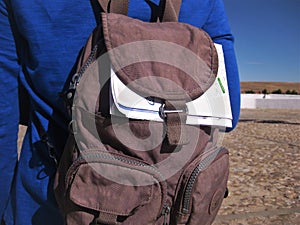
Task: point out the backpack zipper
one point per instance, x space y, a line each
165 212
69 94
189 187
76 77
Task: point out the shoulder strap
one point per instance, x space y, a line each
115 6
171 11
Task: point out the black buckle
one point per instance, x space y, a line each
51 151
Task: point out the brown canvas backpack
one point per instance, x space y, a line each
118 169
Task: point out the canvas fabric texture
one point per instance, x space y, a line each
117 170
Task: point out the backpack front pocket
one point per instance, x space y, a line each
202 188
113 189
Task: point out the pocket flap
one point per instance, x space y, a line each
92 190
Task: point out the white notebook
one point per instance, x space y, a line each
212 108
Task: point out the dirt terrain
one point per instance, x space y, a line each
257 87
264 180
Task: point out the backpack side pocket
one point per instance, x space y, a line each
202 188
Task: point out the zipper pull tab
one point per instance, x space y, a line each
165 213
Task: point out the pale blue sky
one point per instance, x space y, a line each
267 38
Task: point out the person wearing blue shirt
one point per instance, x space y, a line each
39 43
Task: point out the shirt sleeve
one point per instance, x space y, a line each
9 106
218 28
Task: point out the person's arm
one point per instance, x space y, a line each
9 108
218 28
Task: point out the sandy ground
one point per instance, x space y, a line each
264 180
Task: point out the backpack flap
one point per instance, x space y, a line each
164 60
172 63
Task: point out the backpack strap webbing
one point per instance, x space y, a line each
174 114
171 11
115 6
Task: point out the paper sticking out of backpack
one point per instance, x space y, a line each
212 108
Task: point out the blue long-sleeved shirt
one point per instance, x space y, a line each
45 37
